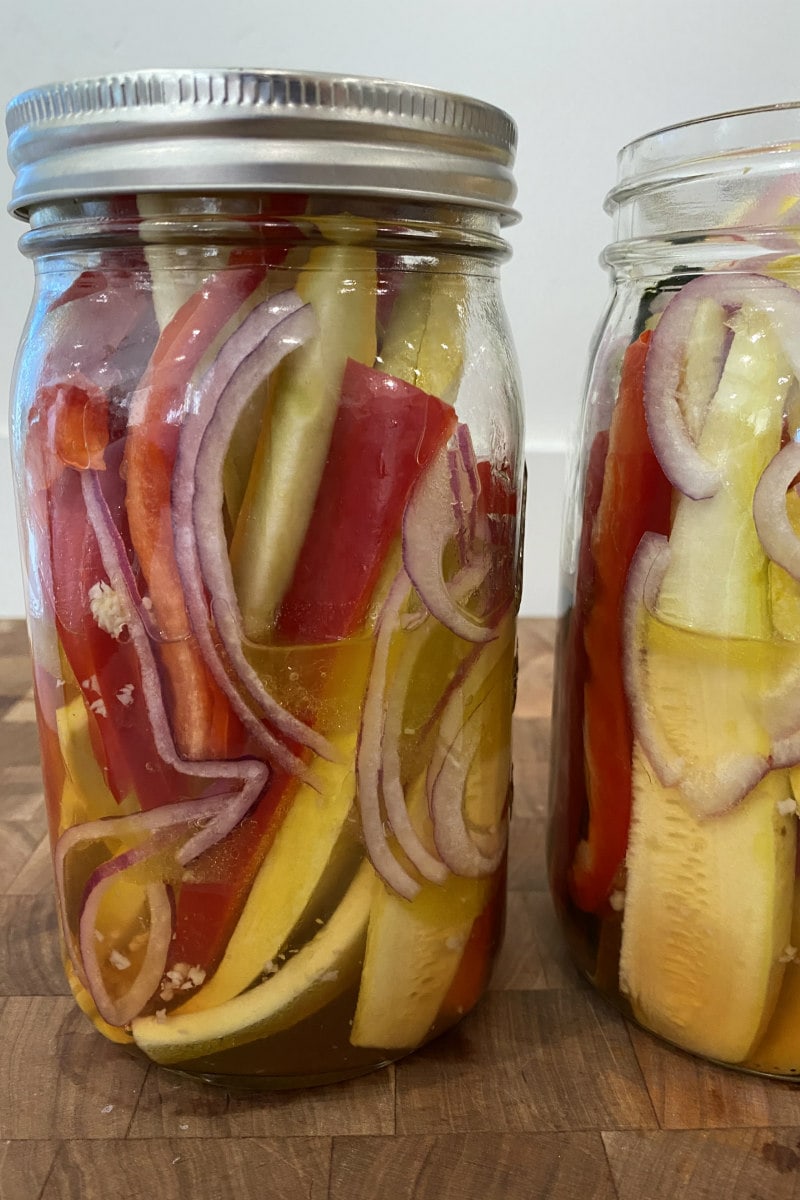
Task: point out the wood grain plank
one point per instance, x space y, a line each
16 677
688 1093
19 758
533 957
706 1165
30 962
482 1166
35 878
538 1061
171 1106
18 842
536 640
174 1169
526 866
58 1077
13 636
531 746
24 1167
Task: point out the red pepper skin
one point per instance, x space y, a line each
567 773
201 717
636 498
207 910
386 432
106 668
67 428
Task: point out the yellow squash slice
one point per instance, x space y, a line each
305 983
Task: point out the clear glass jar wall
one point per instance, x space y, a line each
676 752
267 451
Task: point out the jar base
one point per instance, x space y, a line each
623 1007
280 1083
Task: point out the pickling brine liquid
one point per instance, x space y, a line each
289 956
267 438
274 578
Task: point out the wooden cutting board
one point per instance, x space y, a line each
544 1091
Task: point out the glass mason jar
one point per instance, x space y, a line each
266 431
676 755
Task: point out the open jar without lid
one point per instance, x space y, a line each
673 825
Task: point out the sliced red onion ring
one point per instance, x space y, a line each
645 576
368 754
428 525
708 792
448 771
675 449
246 360
454 841
774 529
213 817
682 463
466 486
378 766
250 773
147 979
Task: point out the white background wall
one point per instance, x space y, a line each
581 78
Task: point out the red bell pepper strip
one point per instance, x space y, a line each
478 957
386 432
201 715
636 498
68 426
567 774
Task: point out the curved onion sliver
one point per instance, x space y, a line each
368 754
428 525
680 459
270 331
774 529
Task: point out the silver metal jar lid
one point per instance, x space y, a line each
243 130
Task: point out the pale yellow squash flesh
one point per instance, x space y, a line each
305 983
285 883
707 915
413 952
339 284
708 899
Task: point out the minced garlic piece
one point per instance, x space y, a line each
125 694
789 955
787 807
119 960
181 978
108 608
617 901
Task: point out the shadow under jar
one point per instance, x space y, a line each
676 750
266 433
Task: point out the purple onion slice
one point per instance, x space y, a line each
774 529
428 526
378 762
709 788
368 754
270 331
452 760
675 448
